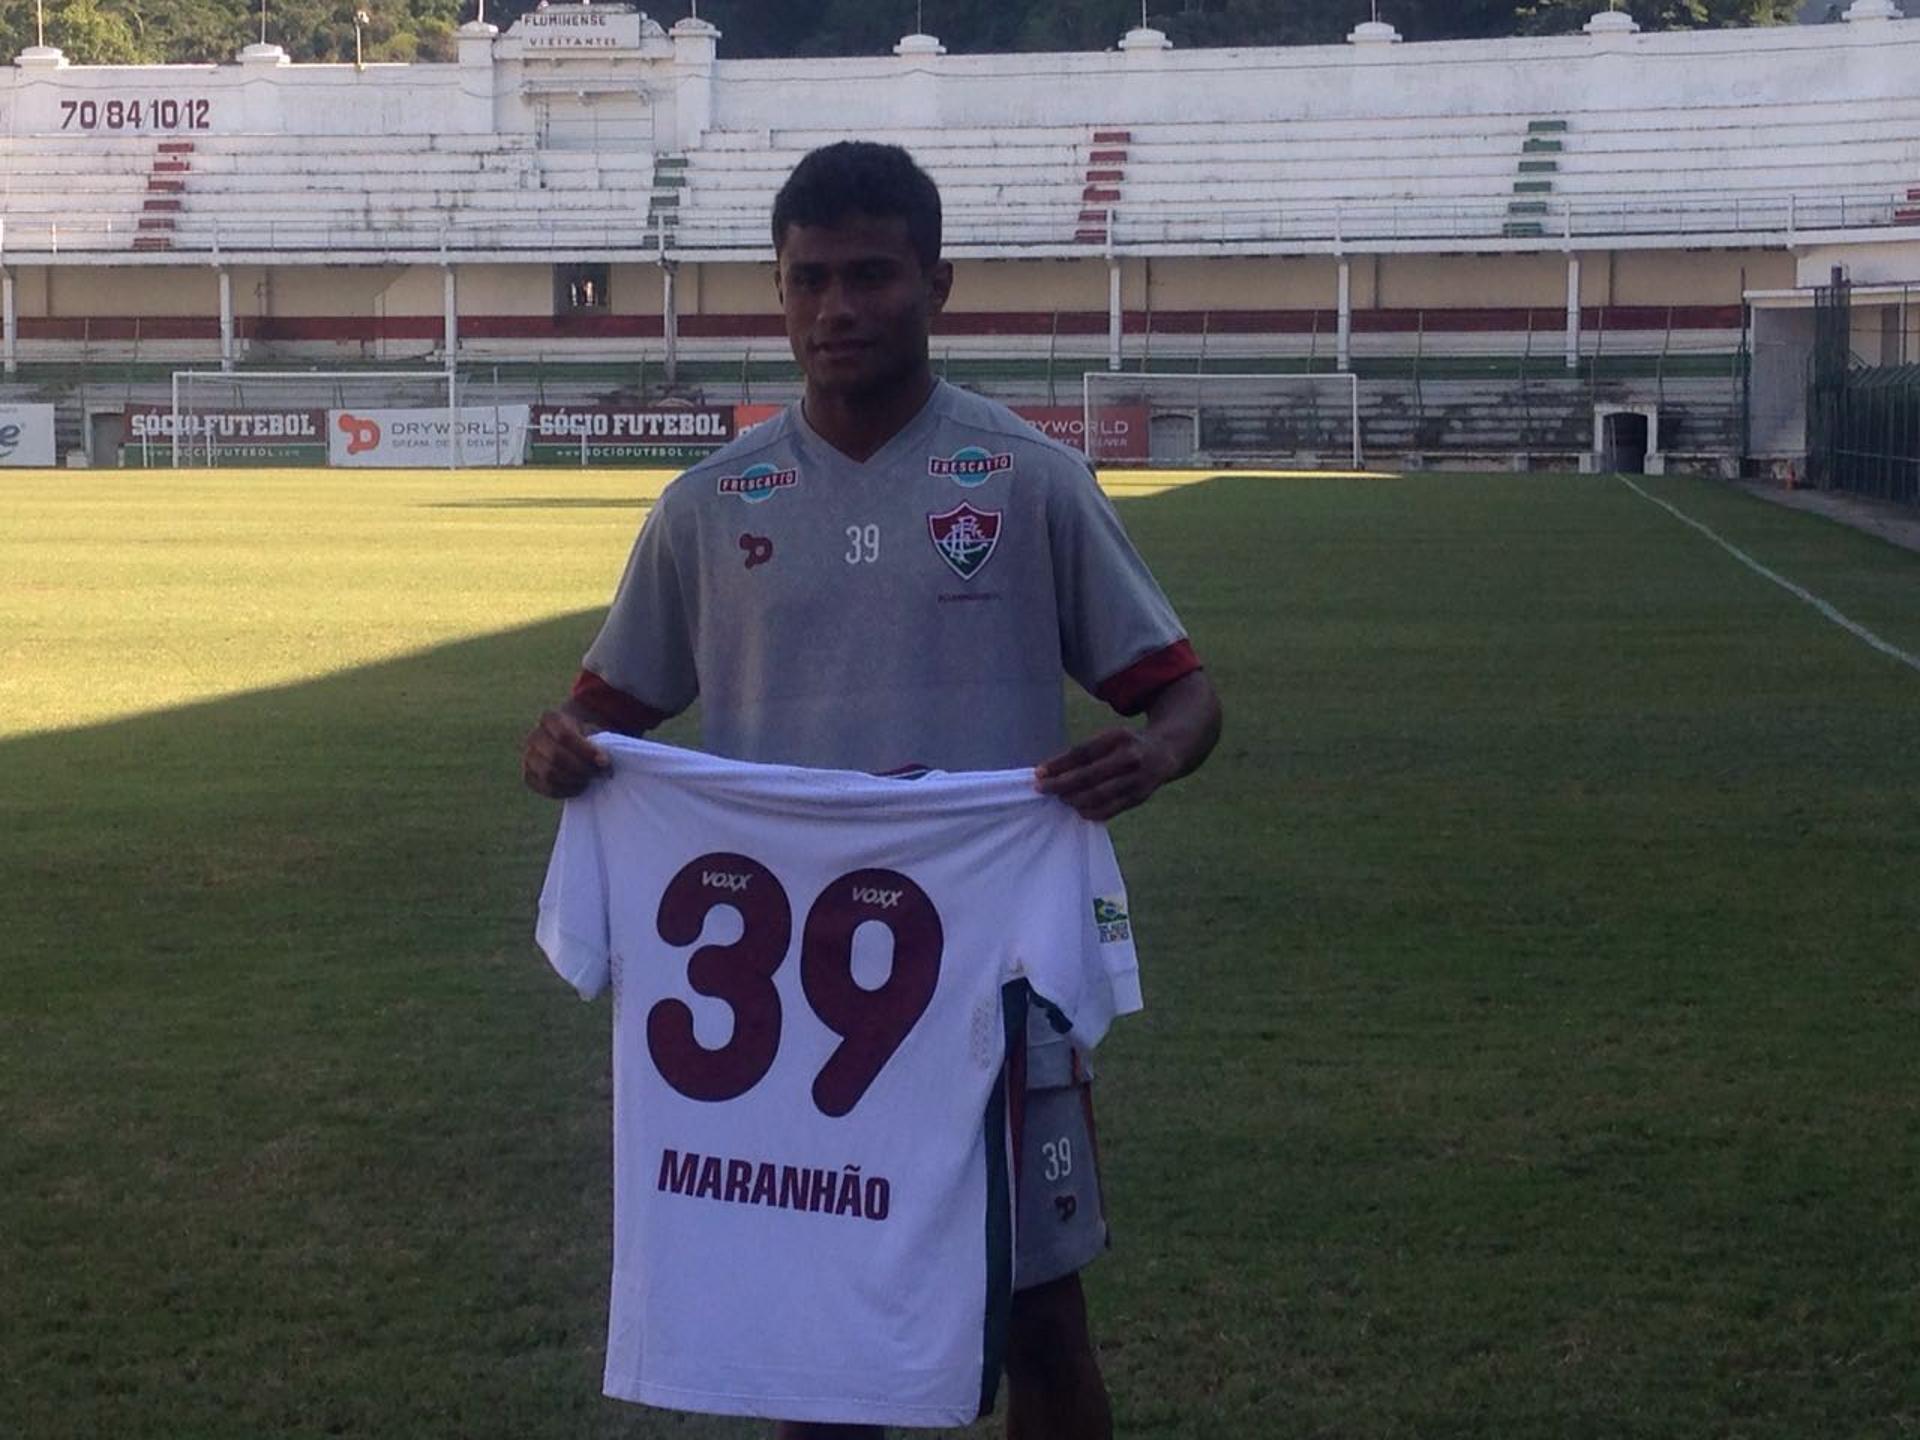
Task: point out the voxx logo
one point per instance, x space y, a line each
723 880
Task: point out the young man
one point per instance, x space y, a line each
891 574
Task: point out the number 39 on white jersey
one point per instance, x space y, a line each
815 977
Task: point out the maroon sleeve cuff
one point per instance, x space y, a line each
615 709
1133 689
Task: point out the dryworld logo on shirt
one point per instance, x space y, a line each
964 537
969 465
758 483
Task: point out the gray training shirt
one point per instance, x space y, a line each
916 609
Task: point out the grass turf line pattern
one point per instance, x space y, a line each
1853 628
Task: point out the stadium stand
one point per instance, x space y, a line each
1453 220
1005 187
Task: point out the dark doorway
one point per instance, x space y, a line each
1623 443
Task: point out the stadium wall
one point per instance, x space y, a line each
531 155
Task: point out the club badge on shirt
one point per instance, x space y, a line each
965 538
759 482
969 465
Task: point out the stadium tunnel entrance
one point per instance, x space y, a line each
1626 440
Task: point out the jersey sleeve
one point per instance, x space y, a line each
1091 974
645 648
1119 636
572 928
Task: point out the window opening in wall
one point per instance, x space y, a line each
582 289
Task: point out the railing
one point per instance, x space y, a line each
1012 226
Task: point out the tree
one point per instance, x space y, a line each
124 31
92 34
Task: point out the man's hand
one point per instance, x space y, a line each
558 760
1111 773
1118 769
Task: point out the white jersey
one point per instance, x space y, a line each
816 975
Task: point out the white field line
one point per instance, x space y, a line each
1912 662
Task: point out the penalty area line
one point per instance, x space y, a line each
1852 627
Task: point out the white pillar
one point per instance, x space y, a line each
10 315
1343 350
226 319
1573 312
1115 315
450 342
450 325
695 43
475 105
670 317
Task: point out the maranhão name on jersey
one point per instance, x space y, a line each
778 1187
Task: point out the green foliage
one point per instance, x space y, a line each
143 31
97 33
135 32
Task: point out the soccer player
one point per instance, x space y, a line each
895 573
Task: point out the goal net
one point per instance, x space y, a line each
1175 419
274 417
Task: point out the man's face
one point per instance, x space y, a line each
858 304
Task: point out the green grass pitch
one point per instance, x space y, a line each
1532 984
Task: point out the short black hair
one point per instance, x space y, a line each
859 177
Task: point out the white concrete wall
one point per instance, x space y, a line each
1563 75
1890 263
1555 76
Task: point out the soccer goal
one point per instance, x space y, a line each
1176 419
273 417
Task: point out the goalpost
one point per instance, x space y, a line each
1205 419
279 416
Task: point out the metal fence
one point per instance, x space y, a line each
1863 421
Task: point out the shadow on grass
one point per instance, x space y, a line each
302 1136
